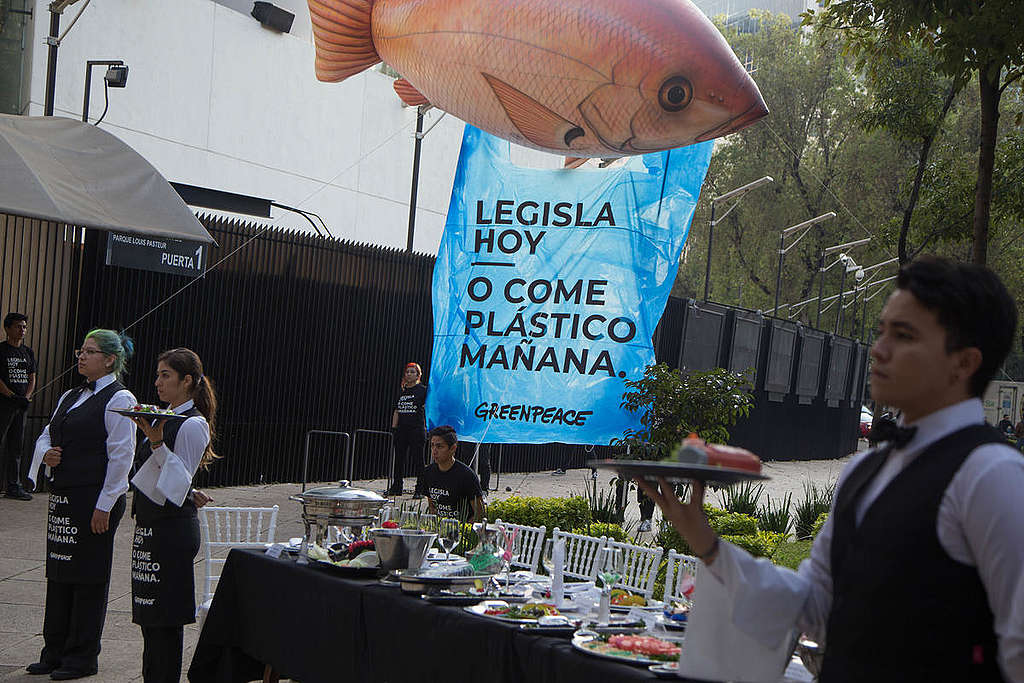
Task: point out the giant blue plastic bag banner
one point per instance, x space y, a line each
547 289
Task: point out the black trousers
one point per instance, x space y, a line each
646 505
12 434
161 653
484 466
408 451
73 624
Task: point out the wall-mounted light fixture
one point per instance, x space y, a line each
272 16
116 77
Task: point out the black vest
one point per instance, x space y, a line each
144 510
82 435
902 609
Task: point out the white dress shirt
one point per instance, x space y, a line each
980 523
166 474
120 443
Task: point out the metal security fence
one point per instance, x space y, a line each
39 267
297 332
302 333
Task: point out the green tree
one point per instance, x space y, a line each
980 37
672 403
909 98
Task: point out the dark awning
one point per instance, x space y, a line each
58 169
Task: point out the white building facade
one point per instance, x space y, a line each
216 100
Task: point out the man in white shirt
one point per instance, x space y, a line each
917 574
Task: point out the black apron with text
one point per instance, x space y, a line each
165 546
74 554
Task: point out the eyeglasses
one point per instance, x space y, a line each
86 352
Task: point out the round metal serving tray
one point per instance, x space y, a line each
676 471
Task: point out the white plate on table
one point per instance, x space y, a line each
481 609
584 641
652 605
665 669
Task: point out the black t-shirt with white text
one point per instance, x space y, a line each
16 364
453 491
411 407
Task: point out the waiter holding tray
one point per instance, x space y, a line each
918 574
87 450
164 506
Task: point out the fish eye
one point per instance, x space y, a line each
675 94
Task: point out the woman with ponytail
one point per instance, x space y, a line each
87 449
164 506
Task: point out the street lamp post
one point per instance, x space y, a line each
866 299
783 249
863 286
57 7
850 265
821 269
739 193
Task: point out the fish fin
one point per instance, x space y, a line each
537 123
341 33
408 93
575 162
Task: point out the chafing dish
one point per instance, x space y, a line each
340 505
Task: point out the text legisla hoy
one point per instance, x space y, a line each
527 329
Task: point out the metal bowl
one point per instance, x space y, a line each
401 548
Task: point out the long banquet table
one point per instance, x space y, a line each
312 625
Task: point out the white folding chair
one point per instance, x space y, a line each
639 567
224 528
529 544
580 553
680 575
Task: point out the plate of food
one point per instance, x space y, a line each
555 625
665 669
625 647
357 560
151 412
675 616
623 601
693 459
500 610
455 598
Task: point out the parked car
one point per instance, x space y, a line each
866 418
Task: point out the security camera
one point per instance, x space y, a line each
859 275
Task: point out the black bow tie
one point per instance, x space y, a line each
886 429
91 386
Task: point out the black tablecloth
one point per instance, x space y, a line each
312 625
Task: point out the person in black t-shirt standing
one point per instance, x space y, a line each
409 424
452 489
17 383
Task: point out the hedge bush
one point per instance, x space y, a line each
565 513
740 530
759 544
818 523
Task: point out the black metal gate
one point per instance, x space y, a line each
302 333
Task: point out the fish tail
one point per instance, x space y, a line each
341 33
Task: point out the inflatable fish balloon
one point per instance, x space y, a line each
581 78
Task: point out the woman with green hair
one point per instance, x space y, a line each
88 450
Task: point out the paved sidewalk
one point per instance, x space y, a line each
22 580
